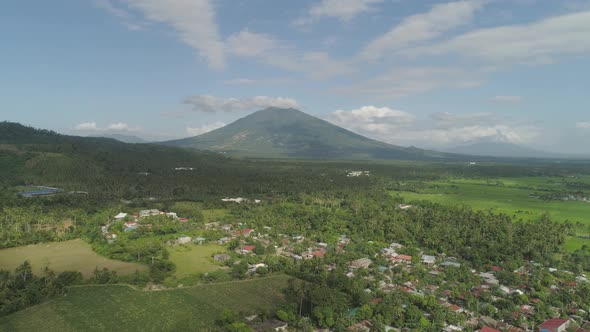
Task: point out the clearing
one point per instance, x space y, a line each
74 255
193 258
122 308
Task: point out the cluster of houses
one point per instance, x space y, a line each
132 221
383 269
456 302
239 200
354 174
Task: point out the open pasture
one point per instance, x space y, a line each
74 255
194 258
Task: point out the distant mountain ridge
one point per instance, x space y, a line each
290 133
125 138
506 150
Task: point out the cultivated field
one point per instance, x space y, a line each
194 258
510 196
121 308
74 255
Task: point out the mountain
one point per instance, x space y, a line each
108 169
501 150
290 133
125 138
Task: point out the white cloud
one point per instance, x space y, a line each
402 82
343 10
583 125
88 126
211 104
92 126
377 121
196 131
194 22
423 27
507 99
119 126
128 20
540 42
440 130
270 51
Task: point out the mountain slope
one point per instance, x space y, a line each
108 169
125 138
289 133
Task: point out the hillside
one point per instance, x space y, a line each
289 133
111 169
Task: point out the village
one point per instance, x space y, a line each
509 297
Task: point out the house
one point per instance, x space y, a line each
244 232
405 206
343 239
172 215
120 216
148 213
554 325
235 200
222 257
426 259
130 228
361 263
199 240
269 325
489 278
319 254
403 258
246 249
224 240
364 326
183 240
448 263
183 219
488 329
395 245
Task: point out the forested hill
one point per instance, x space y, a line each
290 133
112 169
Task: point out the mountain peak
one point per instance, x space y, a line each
290 133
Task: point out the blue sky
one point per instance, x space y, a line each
431 74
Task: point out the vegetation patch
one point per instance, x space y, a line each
122 308
74 255
193 258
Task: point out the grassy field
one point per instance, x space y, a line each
194 258
121 308
509 196
74 255
213 215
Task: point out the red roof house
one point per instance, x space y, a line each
248 248
319 254
554 325
488 329
404 258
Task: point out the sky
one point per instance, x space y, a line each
431 74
